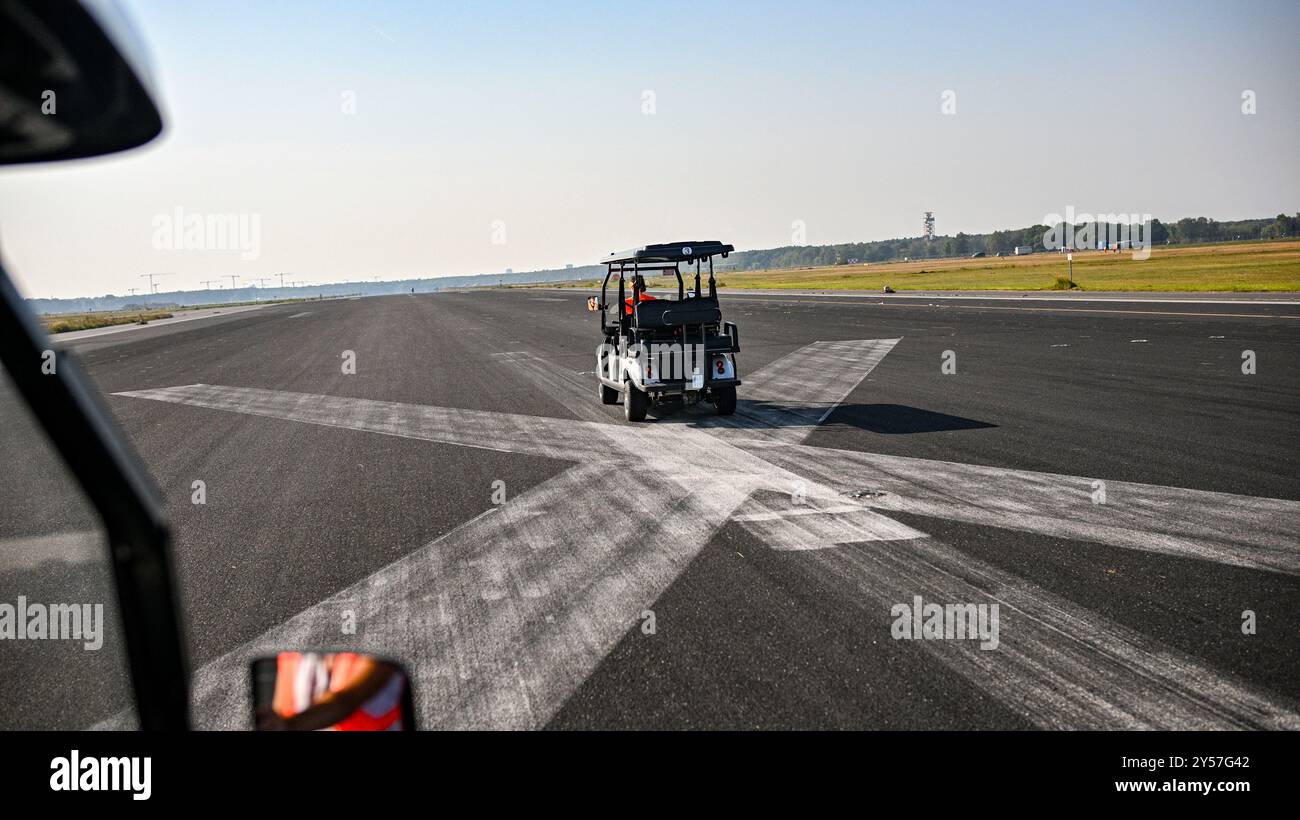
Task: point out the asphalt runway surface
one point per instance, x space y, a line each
1105 473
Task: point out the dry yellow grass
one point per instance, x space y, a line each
1244 266
64 322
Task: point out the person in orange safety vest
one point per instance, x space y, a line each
638 284
342 691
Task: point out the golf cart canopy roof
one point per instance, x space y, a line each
670 252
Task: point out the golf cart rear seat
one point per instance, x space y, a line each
659 313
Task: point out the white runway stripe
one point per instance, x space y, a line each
798 392
576 392
500 620
784 524
1246 531
505 432
1058 664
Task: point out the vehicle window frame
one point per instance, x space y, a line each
78 425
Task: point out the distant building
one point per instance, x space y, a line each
1022 250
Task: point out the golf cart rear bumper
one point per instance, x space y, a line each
673 386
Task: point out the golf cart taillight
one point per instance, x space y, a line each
720 364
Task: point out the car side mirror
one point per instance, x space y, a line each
341 691
73 82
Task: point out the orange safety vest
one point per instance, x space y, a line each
645 297
299 680
382 713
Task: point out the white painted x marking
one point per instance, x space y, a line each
502 618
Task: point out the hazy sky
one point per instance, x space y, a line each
488 136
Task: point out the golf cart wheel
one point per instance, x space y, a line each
726 400
634 403
608 395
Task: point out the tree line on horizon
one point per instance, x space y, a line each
1188 230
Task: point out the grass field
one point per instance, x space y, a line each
64 322
1246 266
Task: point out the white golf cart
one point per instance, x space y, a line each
660 349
